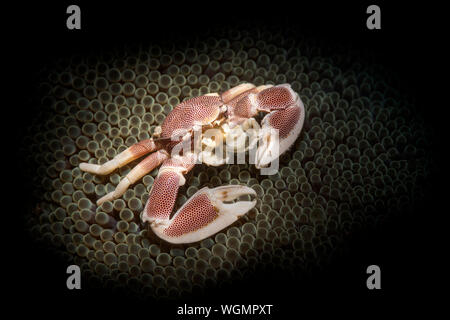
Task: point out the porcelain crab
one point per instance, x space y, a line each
231 113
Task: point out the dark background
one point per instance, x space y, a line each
408 251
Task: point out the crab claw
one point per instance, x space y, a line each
280 129
204 214
269 147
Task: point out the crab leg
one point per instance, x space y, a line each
204 214
164 191
140 170
132 153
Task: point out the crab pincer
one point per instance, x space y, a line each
204 214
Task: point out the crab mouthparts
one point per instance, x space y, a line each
218 144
